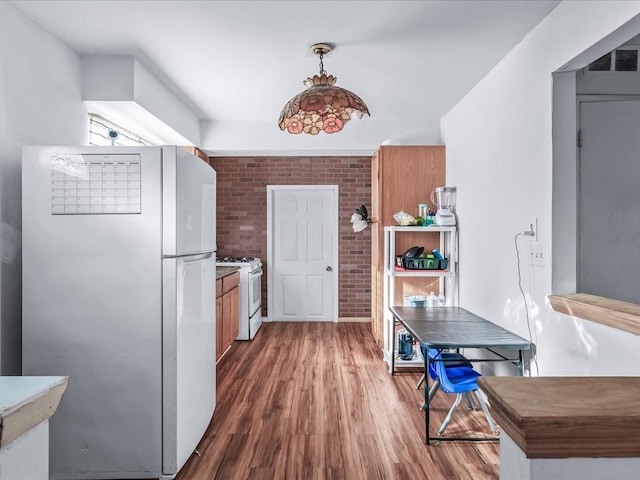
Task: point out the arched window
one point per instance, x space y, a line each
103 132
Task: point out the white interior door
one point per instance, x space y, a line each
609 225
303 253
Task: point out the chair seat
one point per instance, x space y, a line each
448 359
459 380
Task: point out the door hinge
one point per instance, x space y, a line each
580 138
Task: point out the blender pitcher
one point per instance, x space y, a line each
444 200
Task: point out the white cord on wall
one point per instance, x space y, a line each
534 357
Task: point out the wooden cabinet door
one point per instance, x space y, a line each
227 312
231 308
219 322
234 316
226 315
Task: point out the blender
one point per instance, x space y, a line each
444 200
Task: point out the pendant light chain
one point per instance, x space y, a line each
322 70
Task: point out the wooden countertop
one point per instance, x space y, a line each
607 311
224 271
25 402
564 417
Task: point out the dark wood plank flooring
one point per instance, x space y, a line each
315 401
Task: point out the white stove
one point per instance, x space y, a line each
251 262
250 293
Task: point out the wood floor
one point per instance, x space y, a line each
315 401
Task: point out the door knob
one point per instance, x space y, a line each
329 269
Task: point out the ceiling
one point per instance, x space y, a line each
236 63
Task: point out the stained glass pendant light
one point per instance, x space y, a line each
322 107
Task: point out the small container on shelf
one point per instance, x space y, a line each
422 210
414 301
432 300
405 345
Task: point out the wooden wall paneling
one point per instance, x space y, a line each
402 177
197 152
376 249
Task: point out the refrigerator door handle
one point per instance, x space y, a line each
196 257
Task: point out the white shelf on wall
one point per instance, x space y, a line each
448 281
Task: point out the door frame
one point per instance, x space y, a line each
271 190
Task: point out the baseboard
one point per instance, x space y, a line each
340 319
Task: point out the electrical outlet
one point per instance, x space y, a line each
532 226
537 254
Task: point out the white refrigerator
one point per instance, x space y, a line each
119 294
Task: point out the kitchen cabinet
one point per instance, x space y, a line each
198 153
227 312
441 282
230 316
219 324
402 177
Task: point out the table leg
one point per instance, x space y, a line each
393 346
520 363
426 397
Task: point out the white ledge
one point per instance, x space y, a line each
613 313
26 402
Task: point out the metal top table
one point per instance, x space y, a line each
454 328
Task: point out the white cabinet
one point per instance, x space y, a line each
445 280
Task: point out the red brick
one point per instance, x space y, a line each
242 197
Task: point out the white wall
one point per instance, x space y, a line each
499 156
41 103
222 139
122 89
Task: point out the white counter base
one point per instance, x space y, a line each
514 464
27 457
26 404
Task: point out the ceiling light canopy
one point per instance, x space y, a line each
322 106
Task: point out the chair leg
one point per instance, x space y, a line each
432 391
485 409
470 403
448 417
434 388
420 382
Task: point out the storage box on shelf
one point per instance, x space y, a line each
394 277
424 263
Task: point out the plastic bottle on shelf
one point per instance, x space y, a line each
432 300
422 210
441 300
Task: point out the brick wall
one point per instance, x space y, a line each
242 214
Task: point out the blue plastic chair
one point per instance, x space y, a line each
451 359
458 380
